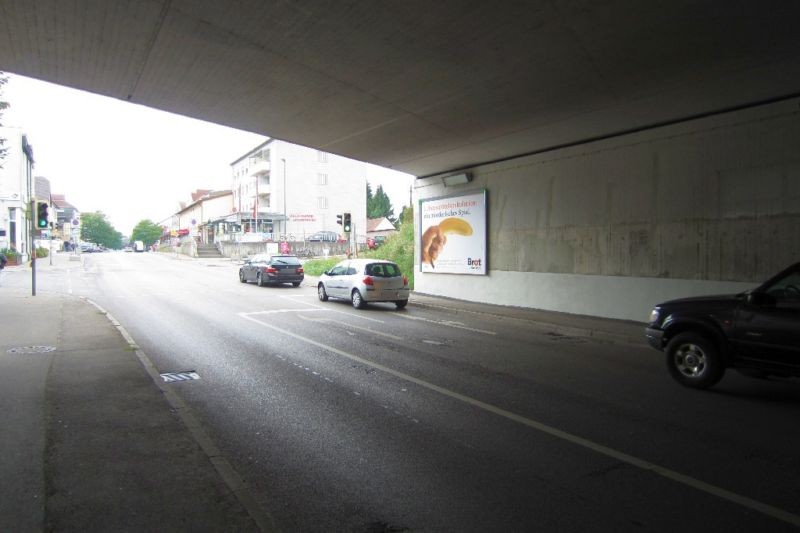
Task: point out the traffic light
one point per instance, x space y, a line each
339 219
346 223
42 221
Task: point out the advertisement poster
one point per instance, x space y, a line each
453 234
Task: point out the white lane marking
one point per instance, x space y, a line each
689 481
327 308
278 311
372 331
448 323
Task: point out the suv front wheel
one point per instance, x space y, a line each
694 361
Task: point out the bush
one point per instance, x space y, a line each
399 247
10 254
315 267
42 252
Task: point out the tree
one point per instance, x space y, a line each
96 229
379 205
146 231
3 107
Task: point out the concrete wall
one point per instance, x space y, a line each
612 227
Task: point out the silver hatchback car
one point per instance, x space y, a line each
363 281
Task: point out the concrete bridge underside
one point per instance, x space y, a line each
637 148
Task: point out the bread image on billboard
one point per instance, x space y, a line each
435 237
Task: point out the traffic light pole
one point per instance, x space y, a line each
32 245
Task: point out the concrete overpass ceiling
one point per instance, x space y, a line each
424 87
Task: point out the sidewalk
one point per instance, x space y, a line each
90 442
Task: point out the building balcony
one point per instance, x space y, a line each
259 167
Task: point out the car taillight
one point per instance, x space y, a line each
405 280
271 270
367 281
300 270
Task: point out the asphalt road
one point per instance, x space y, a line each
431 420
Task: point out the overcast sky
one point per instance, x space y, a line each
129 161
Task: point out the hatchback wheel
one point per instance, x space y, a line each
401 303
241 277
358 301
694 361
260 280
323 296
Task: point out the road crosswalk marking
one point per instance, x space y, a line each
172 377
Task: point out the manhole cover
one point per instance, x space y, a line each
32 349
180 376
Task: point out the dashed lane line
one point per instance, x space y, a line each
664 472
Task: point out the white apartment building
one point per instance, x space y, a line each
284 191
16 186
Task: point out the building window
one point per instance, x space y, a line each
322 157
322 179
322 202
261 155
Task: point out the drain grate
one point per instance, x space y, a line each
32 349
180 376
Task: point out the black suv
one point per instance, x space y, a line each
756 332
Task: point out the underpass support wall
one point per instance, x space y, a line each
611 227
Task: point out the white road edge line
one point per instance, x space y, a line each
689 481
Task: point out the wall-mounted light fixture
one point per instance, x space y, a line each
457 179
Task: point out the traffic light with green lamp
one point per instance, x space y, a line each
42 220
346 223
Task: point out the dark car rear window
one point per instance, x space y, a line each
286 260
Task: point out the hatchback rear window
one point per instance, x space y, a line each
383 270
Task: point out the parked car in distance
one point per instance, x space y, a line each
267 269
365 281
374 242
756 332
326 236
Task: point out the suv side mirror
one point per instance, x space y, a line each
760 298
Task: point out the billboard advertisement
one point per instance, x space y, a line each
453 234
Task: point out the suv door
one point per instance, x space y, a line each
768 324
